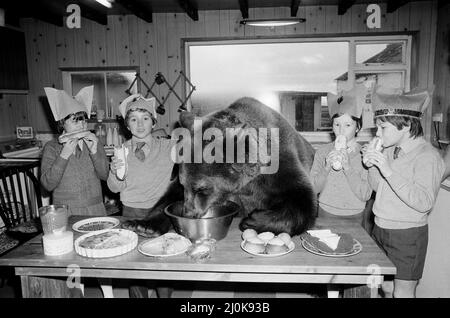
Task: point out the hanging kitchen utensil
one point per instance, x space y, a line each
159 80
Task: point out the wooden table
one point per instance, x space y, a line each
46 276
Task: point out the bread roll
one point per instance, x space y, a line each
339 144
285 237
254 245
122 154
248 233
376 144
73 135
276 246
266 236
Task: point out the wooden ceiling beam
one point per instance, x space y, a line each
294 7
138 9
344 5
393 5
243 6
92 14
190 10
33 9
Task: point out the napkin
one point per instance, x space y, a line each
327 237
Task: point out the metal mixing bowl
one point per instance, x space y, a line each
215 225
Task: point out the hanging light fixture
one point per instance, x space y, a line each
272 22
106 3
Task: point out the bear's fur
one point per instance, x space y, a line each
283 201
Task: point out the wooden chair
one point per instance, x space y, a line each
20 199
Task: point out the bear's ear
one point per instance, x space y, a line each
187 119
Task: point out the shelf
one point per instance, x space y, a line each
105 121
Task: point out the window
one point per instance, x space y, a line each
293 76
110 85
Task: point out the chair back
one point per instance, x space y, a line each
20 193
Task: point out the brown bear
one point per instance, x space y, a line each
248 154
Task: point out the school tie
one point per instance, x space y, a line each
396 152
139 152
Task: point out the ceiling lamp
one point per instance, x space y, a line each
272 22
106 3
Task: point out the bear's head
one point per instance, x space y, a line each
208 180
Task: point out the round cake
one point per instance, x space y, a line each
254 245
276 246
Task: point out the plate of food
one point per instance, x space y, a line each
266 244
95 224
345 245
169 244
106 243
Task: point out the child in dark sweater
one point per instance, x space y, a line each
73 170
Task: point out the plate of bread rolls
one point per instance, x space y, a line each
266 244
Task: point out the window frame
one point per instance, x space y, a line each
353 40
69 71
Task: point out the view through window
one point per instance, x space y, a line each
292 77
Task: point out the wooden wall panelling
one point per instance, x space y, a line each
81 47
148 61
111 41
432 45
34 70
420 20
248 29
133 40
160 21
389 21
312 19
62 48
98 45
18 107
321 20
264 13
212 23
301 27
122 40
54 79
403 17
224 23
283 12
332 19
196 29
27 27
11 115
441 100
176 29
147 53
42 118
358 20
236 28
431 60
346 22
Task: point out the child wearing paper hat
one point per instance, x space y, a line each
149 165
406 176
72 170
343 188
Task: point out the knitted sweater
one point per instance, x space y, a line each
145 181
75 181
342 192
405 198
